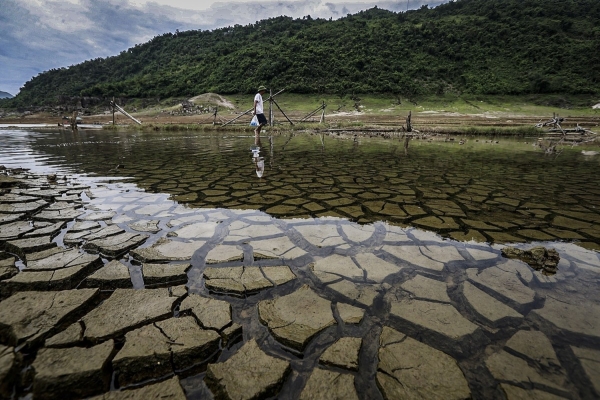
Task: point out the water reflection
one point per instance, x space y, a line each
259 162
482 190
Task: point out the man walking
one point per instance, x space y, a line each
258 109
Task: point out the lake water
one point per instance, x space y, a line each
488 191
393 260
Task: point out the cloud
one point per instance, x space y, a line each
38 35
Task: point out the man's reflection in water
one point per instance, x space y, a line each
258 161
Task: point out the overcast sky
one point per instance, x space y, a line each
38 35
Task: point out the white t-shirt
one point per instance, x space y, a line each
259 105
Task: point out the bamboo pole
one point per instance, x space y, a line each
289 120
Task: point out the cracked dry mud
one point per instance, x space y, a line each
134 296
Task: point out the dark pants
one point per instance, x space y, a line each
262 120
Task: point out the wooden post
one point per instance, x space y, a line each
74 121
270 107
323 114
113 109
408 123
215 119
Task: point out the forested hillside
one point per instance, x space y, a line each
465 46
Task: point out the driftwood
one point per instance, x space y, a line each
577 135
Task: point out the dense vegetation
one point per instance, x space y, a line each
465 46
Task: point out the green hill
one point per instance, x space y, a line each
465 46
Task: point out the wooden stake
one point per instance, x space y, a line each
408 123
270 107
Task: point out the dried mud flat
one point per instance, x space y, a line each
110 292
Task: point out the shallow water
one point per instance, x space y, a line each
487 191
396 277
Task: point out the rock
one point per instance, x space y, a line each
45 229
358 233
154 350
321 235
113 275
350 314
190 344
166 390
65 259
60 279
211 313
437 223
45 253
516 393
98 216
364 294
16 198
19 208
165 273
571 317
281 247
590 361
146 354
7 371
102 233
167 250
146 226
279 275
481 255
231 332
339 266
413 255
39 313
409 369
7 218
440 318
66 214
514 370
329 385
8 268
248 374
224 253
126 309
504 280
538 258
69 337
376 268
426 288
71 373
22 247
533 345
294 319
202 230
84 226
343 353
238 280
492 310
15 229
114 246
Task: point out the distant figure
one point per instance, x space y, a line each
258 110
